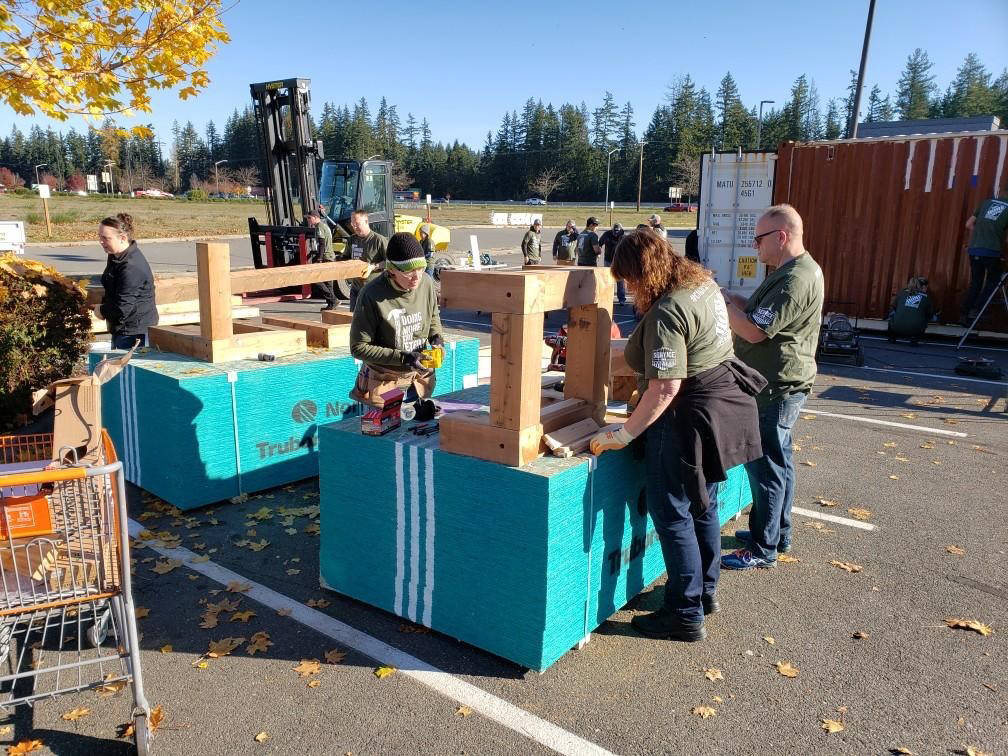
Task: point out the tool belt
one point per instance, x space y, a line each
373 381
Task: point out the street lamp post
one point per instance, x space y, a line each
640 174
607 159
40 165
853 123
216 176
759 126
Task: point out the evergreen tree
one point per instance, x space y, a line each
972 93
849 103
833 128
916 87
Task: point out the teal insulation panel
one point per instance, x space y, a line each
521 562
194 433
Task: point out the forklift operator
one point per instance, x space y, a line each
365 245
395 319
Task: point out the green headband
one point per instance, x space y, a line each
405 266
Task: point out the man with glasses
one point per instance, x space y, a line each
776 331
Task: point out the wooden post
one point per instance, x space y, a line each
45 209
516 370
213 272
588 354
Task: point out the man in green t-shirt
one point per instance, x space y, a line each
323 253
531 245
776 332
912 310
365 245
395 319
588 247
987 227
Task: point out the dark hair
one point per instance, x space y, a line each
651 268
122 222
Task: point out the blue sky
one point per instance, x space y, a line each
462 65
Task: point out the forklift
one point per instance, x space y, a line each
295 186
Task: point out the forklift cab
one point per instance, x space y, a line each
347 185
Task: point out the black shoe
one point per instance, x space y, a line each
710 605
664 626
329 306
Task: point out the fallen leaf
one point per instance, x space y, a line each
894 477
265 513
74 714
236 586
901 750
318 603
770 639
6 730
826 503
261 737
831 725
290 531
889 444
314 683
25 746
125 730
717 699
110 688
166 649
908 415
704 712
199 559
787 669
858 513
163 568
224 605
848 566
809 463
202 664
293 572
970 751
223 647
950 421
307 667
243 616
808 417
335 656
463 711
787 558
285 612
957 550
969 624
259 545
312 529
210 621
141 612
155 719
383 672
258 642
927 446
860 635
713 674
898 458
818 526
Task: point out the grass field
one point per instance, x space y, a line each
76 218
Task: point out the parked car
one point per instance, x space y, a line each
535 201
682 207
155 193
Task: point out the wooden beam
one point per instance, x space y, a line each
617 362
515 369
471 434
565 412
213 277
588 355
186 340
337 317
319 334
533 289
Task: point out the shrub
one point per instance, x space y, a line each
10 179
45 329
196 194
54 218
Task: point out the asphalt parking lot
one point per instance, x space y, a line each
899 526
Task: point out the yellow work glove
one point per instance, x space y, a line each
368 270
610 438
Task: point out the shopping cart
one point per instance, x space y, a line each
65 579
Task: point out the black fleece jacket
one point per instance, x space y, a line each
128 305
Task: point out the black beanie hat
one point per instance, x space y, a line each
405 253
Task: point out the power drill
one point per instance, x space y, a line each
432 357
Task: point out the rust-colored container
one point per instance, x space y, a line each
877 211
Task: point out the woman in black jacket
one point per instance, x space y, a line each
128 305
699 416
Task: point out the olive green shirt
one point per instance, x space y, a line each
325 247
370 249
787 307
531 247
990 225
912 310
684 332
388 323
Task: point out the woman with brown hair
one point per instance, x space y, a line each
700 416
128 305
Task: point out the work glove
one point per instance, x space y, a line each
610 438
436 340
412 361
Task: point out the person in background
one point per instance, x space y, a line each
698 410
427 244
562 241
655 222
609 240
693 247
912 310
324 252
987 227
588 247
128 304
531 245
776 333
396 317
365 245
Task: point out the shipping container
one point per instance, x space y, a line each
877 211
735 189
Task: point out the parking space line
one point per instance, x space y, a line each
935 375
833 518
941 344
889 423
507 714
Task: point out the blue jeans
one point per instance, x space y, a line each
126 340
621 291
771 477
691 546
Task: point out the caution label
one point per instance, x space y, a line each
747 267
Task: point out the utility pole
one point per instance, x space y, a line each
40 165
217 177
852 126
640 174
759 126
607 159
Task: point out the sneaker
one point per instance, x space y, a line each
744 560
744 536
664 626
710 605
329 306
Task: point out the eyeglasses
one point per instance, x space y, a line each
756 239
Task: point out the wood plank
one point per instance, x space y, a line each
180 340
471 434
565 412
491 291
319 334
617 362
213 276
337 317
248 346
183 317
569 434
588 355
622 387
515 383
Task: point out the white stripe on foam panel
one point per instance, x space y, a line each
400 529
414 533
429 548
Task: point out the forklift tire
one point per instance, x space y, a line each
342 289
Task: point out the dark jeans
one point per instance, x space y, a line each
984 275
127 340
771 477
691 546
328 291
354 292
